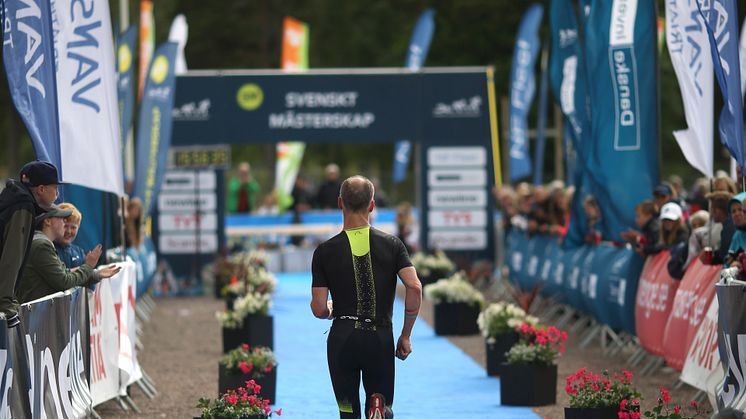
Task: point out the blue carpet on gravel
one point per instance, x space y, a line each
438 380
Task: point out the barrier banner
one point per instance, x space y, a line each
702 366
575 262
622 157
696 291
517 252
594 282
621 293
58 355
537 246
104 344
15 382
655 294
732 345
522 87
549 265
123 289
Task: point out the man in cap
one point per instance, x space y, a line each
45 273
20 202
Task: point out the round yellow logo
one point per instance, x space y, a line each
125 58
159 70
250 96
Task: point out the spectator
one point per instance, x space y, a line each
133 223
697 197
558 213
678 187
70 253
646 240
593 219
243 191
302 199
328 192
738 241
674 235
20 202
719 240
724 183
662 194
45 273
382 200
404 223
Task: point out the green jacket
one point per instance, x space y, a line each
45 273
234 187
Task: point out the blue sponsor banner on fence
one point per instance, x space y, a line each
522 87
154 129
721 20
29 61
622 155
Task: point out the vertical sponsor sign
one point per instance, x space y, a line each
126 92
87 95
689 48
522 86
622 155
720 17
541 123
147 42
295 40
29 61
123 294
154 130
419 45
179 33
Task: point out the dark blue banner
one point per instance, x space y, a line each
154 126
721 20
418 48
522 86
125 81
622 155
541 124
29 61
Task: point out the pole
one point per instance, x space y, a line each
124 15
505 113
123 240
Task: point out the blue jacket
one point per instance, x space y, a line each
72 256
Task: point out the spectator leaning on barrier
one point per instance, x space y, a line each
738 242
70 253
20 202
243 191
645 241
593 219
133 223
674 236
45 273
722 228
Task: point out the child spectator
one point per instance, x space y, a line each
70 253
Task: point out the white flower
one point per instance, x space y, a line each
455 289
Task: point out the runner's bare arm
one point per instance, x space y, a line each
412 302
320 304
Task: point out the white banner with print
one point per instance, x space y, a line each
104 343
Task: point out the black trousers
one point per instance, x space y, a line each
352 351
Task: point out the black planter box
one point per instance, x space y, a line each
528 385
495 352
257 330
242 417
456 319
591 412
268 382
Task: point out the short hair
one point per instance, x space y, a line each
357 193
719 200
646 207
76 217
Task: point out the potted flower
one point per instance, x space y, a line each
497 323
241 403
630 409
245 363
249 321
597 396
248 279
456 304
529 375
431 268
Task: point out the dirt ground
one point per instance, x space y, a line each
182 345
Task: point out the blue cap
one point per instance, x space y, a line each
663 189
37 173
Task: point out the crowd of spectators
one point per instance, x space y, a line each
707 221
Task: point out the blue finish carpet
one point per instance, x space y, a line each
438 380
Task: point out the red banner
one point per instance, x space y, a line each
655 295
694 295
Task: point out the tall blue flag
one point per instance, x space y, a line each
154 126
622 158
541 124
28 57
125 80
721 20
569 85
522 87
419 44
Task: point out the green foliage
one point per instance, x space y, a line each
244 360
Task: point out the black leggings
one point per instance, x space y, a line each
351 351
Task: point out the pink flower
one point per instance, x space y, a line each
245 368
676 409
279 412
231 398
245 346
693 404
257 389
268 368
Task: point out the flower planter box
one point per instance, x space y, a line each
528 385
242 417
257 330
227 381
495 352
456 319
591 412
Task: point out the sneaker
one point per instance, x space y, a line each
378 408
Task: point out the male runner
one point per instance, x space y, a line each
359 267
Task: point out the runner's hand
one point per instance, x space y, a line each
403 347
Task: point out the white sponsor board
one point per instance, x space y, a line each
187 222
702 368
457 218
456 156
186 202
123 291
457 198
104 343
189 181
457 178
173 244
457 240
